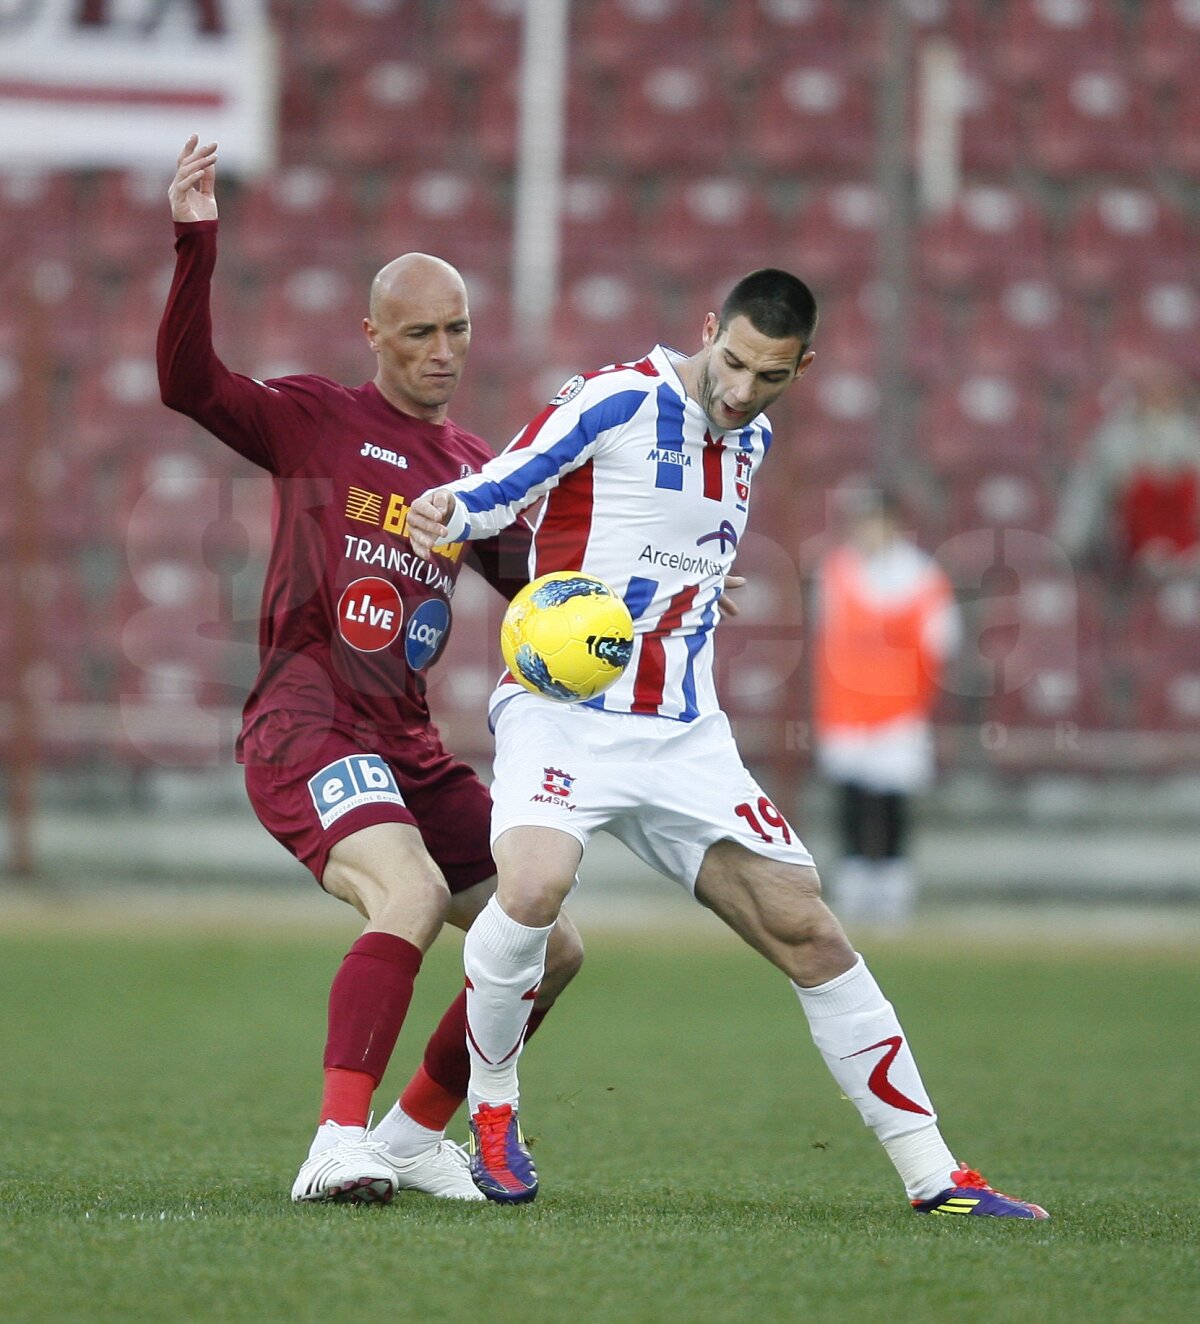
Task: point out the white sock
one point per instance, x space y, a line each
504 963
404 1137
333 1133
856 1030
923 1162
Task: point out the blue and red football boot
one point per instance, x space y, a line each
970 1194
501 1166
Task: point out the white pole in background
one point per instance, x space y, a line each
939 128
539 169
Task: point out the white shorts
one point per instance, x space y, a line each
667 789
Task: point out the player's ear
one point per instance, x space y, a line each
805 362
712 328
370 333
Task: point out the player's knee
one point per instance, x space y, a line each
564 958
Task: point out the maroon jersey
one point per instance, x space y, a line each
351 616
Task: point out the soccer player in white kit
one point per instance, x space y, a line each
646 469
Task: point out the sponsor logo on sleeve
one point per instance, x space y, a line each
350 783
426 631
370 614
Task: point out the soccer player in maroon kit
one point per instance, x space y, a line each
343 764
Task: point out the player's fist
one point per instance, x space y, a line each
426 524
192 191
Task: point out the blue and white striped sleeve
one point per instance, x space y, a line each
560 439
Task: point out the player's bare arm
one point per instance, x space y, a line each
192 193
426 521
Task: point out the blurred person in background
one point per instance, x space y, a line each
885 622
1132 502
343 764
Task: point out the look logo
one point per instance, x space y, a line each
370 613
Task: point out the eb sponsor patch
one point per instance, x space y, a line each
349 783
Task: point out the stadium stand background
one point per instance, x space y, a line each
703 139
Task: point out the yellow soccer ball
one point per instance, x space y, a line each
566 636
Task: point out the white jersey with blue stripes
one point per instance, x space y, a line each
642 494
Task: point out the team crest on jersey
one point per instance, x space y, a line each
568 390
741 479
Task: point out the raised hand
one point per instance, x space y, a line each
191 193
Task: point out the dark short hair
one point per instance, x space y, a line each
776 303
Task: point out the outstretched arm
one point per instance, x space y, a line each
193 190
427 524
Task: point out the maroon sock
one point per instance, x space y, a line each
446 1059
368 1002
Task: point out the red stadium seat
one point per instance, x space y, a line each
981 419
990 121
300 214
602 316
1027 329
1034 641
451 213
314 315
1181 137
1122 237
129 218
1005 497
676 114
492 122
1037 39
761 36
696 222
809 116
1094 119
388 113
68 295
848 338
1162 644
478 36
38 213
615 35
1166 51
989 237
346 33
192 510
117 407
599 219
1161 321
833 241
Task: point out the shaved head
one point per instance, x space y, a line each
413 277
419 328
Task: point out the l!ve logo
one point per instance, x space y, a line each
370 614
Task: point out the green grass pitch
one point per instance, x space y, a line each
157 1092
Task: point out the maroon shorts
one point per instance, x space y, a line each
313 785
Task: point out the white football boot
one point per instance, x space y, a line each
349 1168
443 1170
